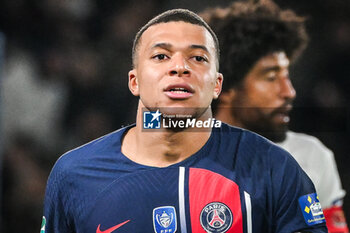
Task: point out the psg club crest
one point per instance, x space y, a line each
216 217
164 219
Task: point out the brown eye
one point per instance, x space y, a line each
160 57
199 58
271 78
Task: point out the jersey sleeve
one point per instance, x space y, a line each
329 186
331 193
295 202
56 208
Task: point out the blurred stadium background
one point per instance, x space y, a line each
63 82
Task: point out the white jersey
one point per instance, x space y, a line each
319 163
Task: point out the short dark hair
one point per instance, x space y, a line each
249 31
175 15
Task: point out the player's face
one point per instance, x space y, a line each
265 97
176 67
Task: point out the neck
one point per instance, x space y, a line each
162 147
224 114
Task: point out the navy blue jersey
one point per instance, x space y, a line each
237 182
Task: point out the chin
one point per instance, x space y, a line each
275 133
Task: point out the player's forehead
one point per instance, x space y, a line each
277 60
177 34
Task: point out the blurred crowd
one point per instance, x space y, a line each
64 83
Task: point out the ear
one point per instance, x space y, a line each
133 83
218 85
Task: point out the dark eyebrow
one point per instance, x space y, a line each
195 46
270 68
168 46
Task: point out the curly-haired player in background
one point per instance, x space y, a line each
258 41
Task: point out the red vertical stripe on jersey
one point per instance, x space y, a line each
205 187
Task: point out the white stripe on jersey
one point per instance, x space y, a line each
182 200
248 205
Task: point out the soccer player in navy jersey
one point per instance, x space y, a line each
150 178
258 42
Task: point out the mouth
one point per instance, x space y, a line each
179 91
282 118
281 114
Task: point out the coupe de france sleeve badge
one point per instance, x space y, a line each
311 208
164 219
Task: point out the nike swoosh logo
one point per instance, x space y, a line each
112 228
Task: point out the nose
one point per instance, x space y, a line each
179 66
287 90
